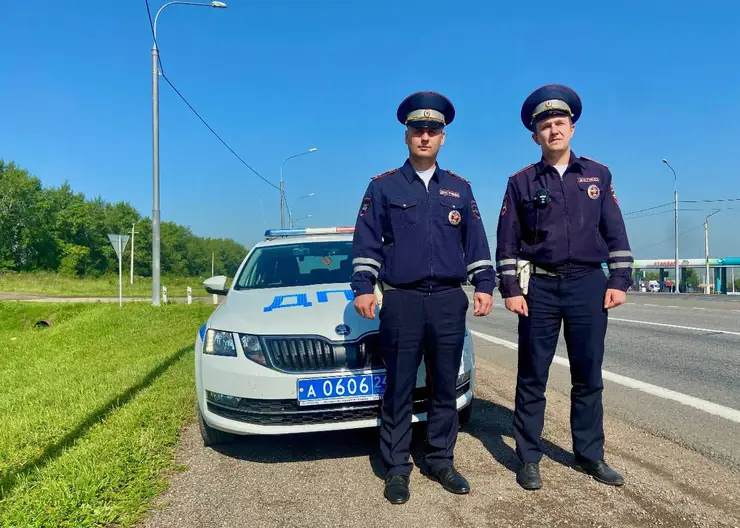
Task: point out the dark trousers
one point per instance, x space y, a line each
413 324
579 303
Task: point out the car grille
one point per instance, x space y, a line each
313 353
288 412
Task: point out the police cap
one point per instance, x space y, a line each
550 100
426 110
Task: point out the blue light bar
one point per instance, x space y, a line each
308 231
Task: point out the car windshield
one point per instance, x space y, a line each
300 264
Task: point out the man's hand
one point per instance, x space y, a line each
517 304
482 304
614 298
365 305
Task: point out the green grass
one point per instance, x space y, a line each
91 408
107 286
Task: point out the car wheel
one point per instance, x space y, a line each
213 436
466 414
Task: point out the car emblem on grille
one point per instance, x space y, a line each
342 330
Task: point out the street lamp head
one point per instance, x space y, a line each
218 4
313 149
665 161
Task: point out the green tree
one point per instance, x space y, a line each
56 229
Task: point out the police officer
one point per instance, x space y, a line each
559 221
419 236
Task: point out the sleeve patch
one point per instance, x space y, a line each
365 207
384 174
474 208
504 207
614 194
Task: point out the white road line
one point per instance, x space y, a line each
667 394
697 308
712 330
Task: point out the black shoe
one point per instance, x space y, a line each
452 480
600 471
397 489
528 476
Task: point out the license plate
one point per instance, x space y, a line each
341 389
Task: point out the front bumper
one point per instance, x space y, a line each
268 398
284 416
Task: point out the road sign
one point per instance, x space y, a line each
115 239
119 244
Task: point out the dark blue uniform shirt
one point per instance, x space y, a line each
413 238
579 229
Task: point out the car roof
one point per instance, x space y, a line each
303 239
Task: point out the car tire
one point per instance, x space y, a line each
211 436
465 415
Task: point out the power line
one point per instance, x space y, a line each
711 201
647 209
161 68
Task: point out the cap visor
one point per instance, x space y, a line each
424 124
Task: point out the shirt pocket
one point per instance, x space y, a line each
590 195
451 212
404 212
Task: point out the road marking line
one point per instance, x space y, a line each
667 394
697 308
675 326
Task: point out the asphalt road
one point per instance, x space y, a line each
680 463
691 346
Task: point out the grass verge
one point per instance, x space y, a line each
91 409
106 286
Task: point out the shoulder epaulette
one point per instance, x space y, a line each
522 170
384 174
458 176
593 160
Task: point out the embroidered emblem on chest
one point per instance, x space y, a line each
593 192
454 217
450 193
588 179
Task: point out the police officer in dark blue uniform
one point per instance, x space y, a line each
559 221
418 237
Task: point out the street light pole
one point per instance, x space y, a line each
675 225
156 261
290 213
706 251
282 185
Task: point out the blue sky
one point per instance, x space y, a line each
275 78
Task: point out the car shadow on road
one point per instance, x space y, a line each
306 447
491 422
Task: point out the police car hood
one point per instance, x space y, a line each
312 310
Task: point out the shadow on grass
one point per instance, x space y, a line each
10 479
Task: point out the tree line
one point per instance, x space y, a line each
56 229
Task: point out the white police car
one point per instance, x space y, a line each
287 353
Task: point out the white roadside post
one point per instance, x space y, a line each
164 294
119 244
190 295
213 272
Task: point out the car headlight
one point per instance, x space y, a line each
253 348
219 343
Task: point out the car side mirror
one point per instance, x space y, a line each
216 285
